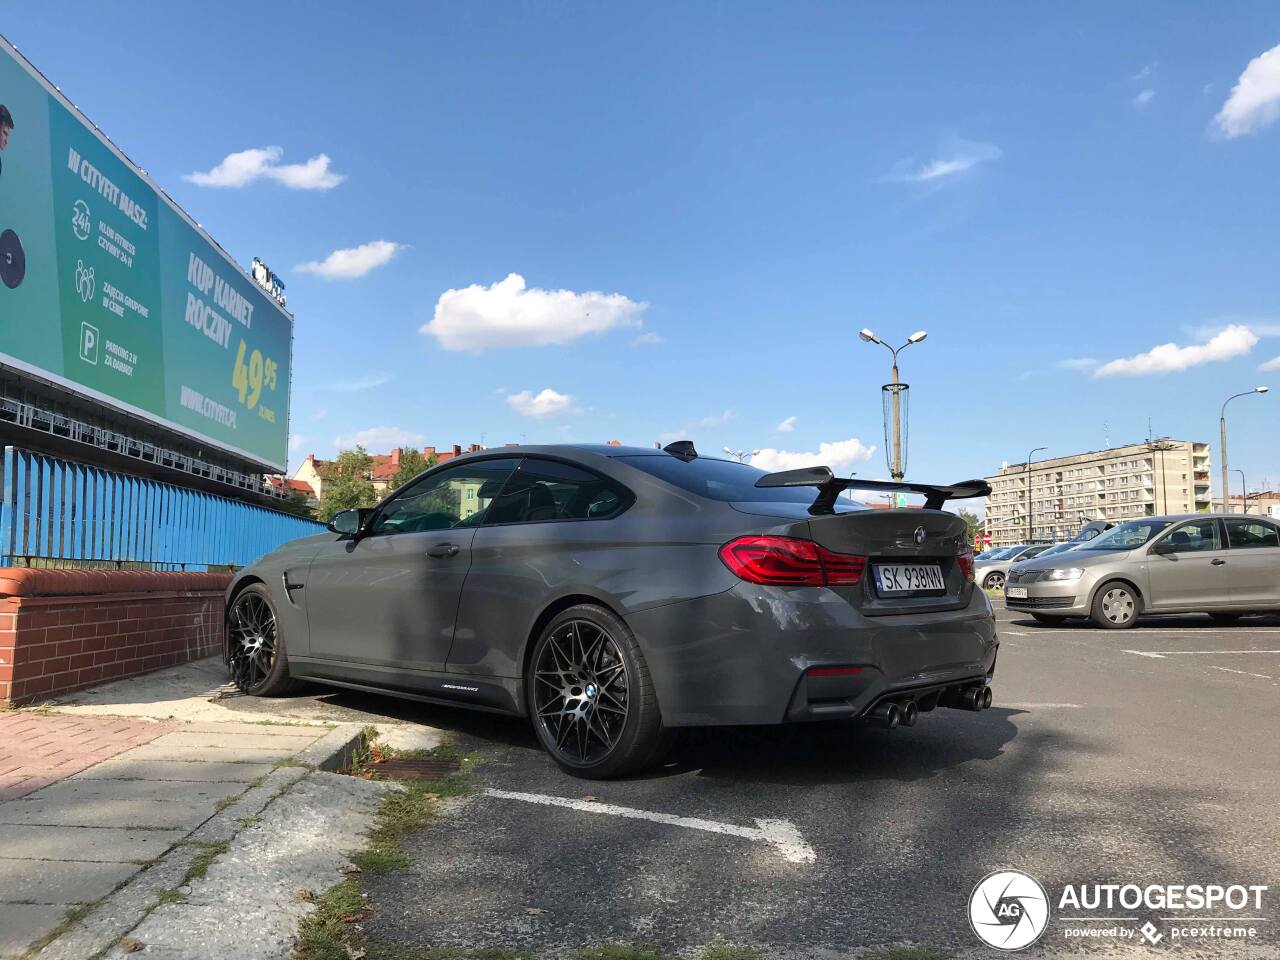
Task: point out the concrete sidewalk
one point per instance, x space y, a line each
121 803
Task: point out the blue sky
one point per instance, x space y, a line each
725 194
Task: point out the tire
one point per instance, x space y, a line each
1226 618
1048 619
255 649
1116 606
993 580
590 696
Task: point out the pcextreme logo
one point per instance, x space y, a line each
1009 910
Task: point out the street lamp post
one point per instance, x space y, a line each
1244 492
740 455
895 468
1028 475
1222 430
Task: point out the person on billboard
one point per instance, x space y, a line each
13 260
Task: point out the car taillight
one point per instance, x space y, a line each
790 562
965 560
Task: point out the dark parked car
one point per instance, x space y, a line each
613 594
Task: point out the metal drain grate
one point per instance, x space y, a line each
414 769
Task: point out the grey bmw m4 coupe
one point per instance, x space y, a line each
614 594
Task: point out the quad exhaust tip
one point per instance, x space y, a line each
909 713
888 714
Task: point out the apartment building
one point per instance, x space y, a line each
1122 483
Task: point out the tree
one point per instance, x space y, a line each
412 463
972 522
347 484
296 504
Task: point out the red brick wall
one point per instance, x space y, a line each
62 630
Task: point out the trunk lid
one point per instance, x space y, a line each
894 538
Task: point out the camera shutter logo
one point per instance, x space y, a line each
1009 910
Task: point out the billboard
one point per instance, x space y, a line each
110 290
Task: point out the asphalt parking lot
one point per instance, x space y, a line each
1145 756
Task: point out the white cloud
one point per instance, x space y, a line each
1143 97
296 440
241 169
547 403
1270 365
688 431
507 314
1077 363
352 262
1230 342
357 384
839 455
962 156
1254 102
647 339
786 426
380 439
1144 72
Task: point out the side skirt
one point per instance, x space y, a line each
491 694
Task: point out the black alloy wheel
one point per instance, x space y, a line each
255 651
593 704
582 692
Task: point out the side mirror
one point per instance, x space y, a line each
1164 547
348 523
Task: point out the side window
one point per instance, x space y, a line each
1196 536
453 497
1243 534
550 490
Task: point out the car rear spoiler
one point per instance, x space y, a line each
830 486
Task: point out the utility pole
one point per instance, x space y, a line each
895 389
1028 476
1222 428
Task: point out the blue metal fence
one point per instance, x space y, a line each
61 513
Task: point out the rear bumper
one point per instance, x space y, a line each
742 656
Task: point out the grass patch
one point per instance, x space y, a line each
328 932
908 953
325 934
69 920
200 864
620 951
247 822
170 896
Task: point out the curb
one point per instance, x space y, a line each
124 908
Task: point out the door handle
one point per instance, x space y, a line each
1217 561
444 550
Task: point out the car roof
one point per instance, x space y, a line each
575 450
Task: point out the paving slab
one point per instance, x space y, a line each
81 789
173 813
99 844
63 882
228 754
282 738
127 768
22 923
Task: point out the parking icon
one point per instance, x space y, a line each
89 343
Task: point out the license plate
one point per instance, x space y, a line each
905 579
1018 593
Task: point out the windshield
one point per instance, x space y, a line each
1000 553
1058 548
1127 536
722 480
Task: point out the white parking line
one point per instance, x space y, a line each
1161 654
1244 673
781 834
